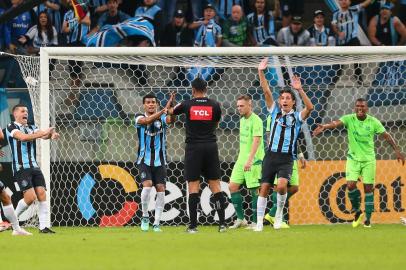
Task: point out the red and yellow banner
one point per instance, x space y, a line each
322 196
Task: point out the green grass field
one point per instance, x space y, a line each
301 247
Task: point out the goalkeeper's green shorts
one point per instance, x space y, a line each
294 180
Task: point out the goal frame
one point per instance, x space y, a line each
48 53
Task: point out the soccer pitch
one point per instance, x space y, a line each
301 247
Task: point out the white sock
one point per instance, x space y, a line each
43 215
11 216
1 219
145 193
21 207
280 203
159 206
261 206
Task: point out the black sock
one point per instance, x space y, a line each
219 202
193 202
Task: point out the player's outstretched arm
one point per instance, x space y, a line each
264 83
297 85
399 156
322 127
36 135
171 118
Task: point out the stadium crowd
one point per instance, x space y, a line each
207 23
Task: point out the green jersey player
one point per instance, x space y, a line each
247 169
361 163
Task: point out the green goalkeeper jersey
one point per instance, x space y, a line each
361 145
249 128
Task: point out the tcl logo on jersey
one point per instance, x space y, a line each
201 113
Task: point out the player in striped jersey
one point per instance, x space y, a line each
320 35
22 141
262 23
286 124
151 162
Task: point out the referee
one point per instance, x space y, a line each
201 153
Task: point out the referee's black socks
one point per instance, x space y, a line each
193 203
219 202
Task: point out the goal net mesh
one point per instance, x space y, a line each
93 100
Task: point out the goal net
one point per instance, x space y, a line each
92 94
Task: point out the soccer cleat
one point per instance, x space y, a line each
270 219
251 226
192 230
358 218
222 228
259 228
4 226
282 225
157 228
20 232
239 223
46 230
367 224
403 220
144 224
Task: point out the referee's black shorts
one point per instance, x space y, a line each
276 164
202 159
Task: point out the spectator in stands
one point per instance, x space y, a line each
43 34
16 28
223 8
2 33
168 9
295 7
262 23
345 22
320 35
208 33
129 6
96 8
177 33
152 12
402 11
52 7
235 29
345 27
294 34
76 31
111 16
385 29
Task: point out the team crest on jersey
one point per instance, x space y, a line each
157 124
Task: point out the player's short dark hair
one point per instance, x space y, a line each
199 85
361 100
245 97
289 92
150 95
19 105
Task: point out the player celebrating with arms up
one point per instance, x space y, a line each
151 129
361 128
282 148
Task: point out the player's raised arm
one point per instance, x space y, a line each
39 134
399 156
264 83
322 127
171 118
150 105
297 85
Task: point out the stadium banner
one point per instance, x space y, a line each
322 197
109 194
